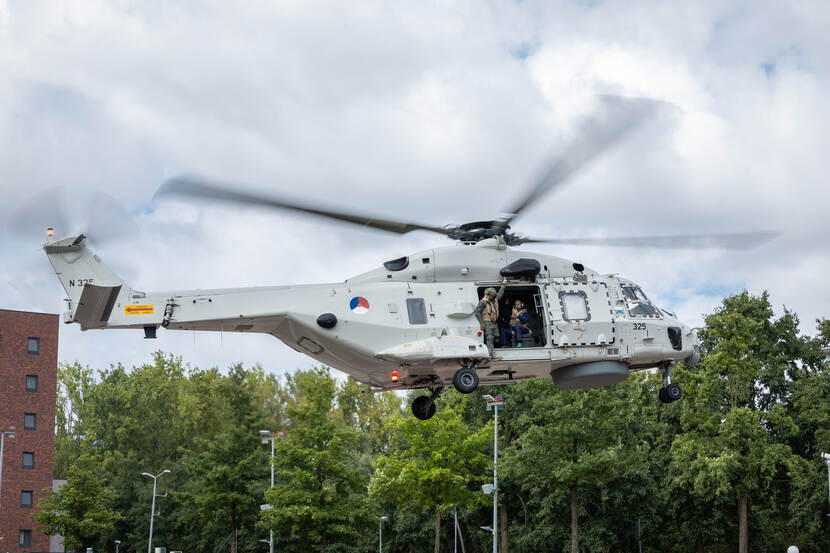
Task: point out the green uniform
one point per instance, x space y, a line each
487 313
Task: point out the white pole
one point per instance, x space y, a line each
496 482
271 531
2 446
380 535
455 532
152 512
826 460
152 507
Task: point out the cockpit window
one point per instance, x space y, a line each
397 264
638 303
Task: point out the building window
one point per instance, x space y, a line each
28 459
26 498
34 345
417 311
29 421
25 538
31 383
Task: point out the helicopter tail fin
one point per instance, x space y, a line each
91 287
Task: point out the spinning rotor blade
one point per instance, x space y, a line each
738 240
91 212
214 190
617 118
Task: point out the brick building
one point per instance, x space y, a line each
28 380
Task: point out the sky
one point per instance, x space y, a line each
439 112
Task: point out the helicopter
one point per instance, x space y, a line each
410 323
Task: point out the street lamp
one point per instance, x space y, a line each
494 404
153 506
3 434
380 533
265 437
117 543
826 458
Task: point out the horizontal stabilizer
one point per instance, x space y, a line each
95 305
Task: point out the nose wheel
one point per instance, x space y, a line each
671 391
423 407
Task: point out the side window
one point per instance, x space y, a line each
574 306
31 383
33 345
397 264
417 309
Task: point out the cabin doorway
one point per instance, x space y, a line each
531 298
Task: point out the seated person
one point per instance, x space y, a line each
518 323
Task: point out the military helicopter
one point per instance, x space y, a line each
410 322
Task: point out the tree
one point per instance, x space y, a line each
80 511
434 464
75 383
572 443
734 421
230 469
319 497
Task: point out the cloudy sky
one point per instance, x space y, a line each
440 112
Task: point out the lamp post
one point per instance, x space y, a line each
153 506
495 404
826 458
265 437
3 434
117 543
380 533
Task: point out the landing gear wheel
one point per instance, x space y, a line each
670 393
465 380
673 392
423 407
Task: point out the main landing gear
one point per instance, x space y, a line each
465 381
670 392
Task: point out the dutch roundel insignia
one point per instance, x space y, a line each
359 304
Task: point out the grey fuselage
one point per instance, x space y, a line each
409 323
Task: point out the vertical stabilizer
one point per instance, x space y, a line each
91 287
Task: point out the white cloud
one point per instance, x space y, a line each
437 112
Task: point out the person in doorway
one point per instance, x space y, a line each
487 314
518 323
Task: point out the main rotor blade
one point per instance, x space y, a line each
193 186
738 240
91 211
616 118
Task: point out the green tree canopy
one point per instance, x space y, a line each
434 464
80 510
319 497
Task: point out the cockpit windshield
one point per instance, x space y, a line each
638 303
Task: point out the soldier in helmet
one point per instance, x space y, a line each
487 314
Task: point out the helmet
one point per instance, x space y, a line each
490 292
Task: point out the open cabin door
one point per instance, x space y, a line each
580 313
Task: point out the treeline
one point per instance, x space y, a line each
735 465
